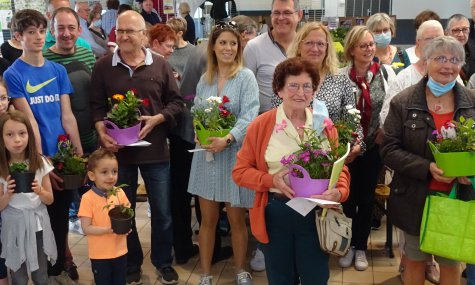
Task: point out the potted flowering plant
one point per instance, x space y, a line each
347 127
70 167
121 215
23 178
212 119
454 148
311 166
123 120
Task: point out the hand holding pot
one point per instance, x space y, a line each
56 181
10 190
329 195
354 152
216 145
437 174
280 181
149 123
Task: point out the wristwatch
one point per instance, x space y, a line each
229 140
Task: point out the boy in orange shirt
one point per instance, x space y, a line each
107 250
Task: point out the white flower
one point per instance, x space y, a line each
448 133
214 99
207 110
349 107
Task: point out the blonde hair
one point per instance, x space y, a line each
184 7
212 66
330 61
177 24
353 37
377 18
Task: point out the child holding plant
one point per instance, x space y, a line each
27 237
107 250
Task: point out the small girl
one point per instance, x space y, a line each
27 239
107 250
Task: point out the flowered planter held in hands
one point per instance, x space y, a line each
212 118
71 167
123 120
23 178
454 148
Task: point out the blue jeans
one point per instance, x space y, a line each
157 184
470 274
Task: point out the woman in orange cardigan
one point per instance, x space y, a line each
286 236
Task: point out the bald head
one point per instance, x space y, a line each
54 5
131 17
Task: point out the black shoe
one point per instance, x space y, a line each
168 275
180 260
224 253
134 278
72 271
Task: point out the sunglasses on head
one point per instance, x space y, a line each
226 25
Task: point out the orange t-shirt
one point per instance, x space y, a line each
106 246
440 120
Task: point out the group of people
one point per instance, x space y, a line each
272 81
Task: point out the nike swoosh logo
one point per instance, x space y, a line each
33 89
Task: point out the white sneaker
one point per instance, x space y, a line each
75 227
361 263
206 280
258 262
347 260
243 278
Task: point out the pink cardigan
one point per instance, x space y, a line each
251 170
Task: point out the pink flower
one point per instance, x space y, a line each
328 123
281 126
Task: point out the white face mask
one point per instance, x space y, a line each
382 40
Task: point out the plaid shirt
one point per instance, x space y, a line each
108 20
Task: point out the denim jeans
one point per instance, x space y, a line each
157 184
470 274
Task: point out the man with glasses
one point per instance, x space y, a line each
132 66
262 54
458 27
83 10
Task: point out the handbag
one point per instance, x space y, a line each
334 231
448 227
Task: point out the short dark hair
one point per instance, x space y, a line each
294 66
26 18
64 10
112 4
98 155
425 16
123 8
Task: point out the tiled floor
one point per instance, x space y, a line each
382 270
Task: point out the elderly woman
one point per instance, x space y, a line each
383 29
413 116
314 43
288 239
370 82
211 180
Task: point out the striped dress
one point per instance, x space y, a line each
212 180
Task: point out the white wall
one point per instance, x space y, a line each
408 9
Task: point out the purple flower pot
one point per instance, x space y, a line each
306 186
122 136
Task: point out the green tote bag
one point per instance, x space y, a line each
448 227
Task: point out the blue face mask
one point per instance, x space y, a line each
320 112
438 89
382 40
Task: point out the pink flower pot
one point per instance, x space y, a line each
122 136
306 186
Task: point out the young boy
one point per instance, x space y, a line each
40 89
107 250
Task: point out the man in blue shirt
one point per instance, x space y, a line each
82 8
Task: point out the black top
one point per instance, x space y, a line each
190 35
152 18
9 52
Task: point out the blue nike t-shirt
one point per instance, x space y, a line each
41 87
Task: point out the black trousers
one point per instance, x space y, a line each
180 166
364 172
59 218
110 271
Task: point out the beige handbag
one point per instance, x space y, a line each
334 231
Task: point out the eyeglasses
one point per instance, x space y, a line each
4 98
306 87
443 59
127 32
285 14
310 44
464 30
226 25
366 46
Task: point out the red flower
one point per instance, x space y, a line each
63 138
134 90
224 113
225 99
145 102
59 166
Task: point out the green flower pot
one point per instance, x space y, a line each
454 164
204 134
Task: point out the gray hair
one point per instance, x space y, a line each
245 24
296 3
454 18
377 18
445 43
428 25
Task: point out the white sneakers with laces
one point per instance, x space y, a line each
206 280
347 260
361 263
258 262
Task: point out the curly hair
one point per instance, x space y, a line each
294 66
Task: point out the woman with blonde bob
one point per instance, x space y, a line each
314 43
210 176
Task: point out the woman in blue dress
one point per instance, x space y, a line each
210 179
